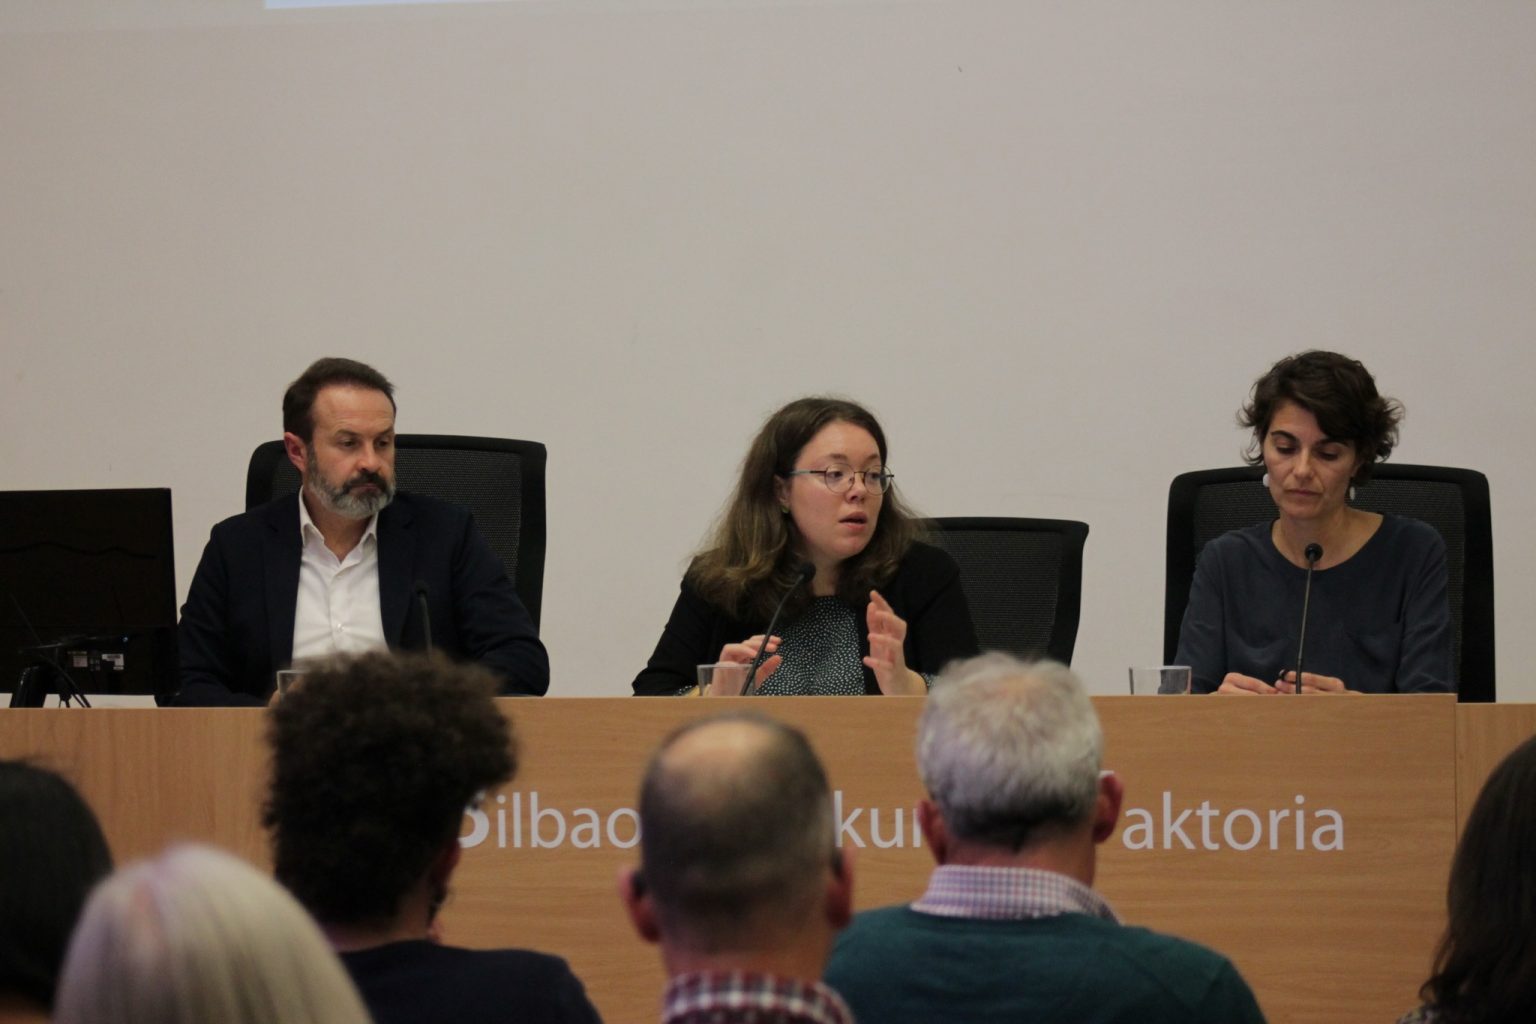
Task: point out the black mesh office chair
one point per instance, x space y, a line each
1205 504
1023 579
500 481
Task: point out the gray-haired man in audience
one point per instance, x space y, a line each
1010 927
740 881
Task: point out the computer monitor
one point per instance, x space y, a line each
88 583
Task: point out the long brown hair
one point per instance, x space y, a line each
751 559
1485 968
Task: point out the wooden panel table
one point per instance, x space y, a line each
1485 734
1307 839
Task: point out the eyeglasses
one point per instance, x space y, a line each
839 478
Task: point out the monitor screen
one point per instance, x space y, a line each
88 580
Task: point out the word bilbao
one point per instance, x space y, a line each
522 821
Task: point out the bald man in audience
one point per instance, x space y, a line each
1010 928
740 880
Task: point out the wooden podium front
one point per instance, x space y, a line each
1307 839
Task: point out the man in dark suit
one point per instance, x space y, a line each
337 567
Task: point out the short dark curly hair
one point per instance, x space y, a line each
374 759
1339 391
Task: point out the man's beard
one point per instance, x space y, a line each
341 500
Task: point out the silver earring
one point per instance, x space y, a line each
1266 481
1351 492
783 510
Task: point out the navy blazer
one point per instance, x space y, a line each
237 625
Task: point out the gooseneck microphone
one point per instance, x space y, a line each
803 572
426 616
1313 553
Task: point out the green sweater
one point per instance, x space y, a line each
896 965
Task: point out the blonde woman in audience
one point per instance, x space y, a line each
199 936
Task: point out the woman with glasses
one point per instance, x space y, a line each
815 522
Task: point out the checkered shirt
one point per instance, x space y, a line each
960 890
741 997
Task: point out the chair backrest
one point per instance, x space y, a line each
1023 579
1207 503
500 481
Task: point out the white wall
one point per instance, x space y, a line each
1051 244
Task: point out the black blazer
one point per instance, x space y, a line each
237 625
925 592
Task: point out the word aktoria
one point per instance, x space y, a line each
521 820
1207 827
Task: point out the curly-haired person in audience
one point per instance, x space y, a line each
1485 968
374 760
51 853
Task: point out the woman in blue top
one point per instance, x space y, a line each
1378 621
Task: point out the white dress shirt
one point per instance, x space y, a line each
338 603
